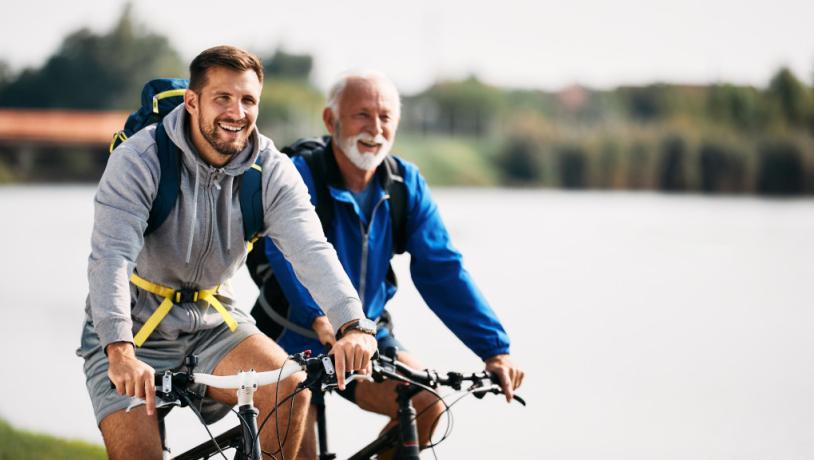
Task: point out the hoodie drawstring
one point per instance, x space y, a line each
195 186
228 198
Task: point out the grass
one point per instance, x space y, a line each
18 444
446 160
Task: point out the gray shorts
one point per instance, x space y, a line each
210 345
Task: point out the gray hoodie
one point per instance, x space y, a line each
200 245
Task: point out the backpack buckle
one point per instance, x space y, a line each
185 295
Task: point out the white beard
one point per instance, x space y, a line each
365 161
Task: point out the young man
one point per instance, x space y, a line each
362 117
195 251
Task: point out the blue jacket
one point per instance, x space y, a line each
436 266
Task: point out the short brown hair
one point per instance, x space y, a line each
226 56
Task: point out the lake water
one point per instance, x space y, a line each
650 326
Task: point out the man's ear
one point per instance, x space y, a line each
191 101
328 119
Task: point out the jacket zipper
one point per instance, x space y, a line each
365 232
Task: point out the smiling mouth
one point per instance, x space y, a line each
231 128
370 145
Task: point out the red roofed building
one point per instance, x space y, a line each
55 144
59 126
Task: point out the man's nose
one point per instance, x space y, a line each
237 110
375 126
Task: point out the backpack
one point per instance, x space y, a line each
325 173
158 98
272 309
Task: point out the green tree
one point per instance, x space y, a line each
287 65
91 71
5 74
789 96
461 107
647 103
738 106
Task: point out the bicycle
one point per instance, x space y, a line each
403 436
172 390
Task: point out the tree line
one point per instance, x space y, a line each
716 138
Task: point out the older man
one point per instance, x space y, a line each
133 327
350 172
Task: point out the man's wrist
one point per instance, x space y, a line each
116 350
363 325
496 358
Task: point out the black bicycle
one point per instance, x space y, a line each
172 389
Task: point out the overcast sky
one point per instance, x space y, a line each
531 44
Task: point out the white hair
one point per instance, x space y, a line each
336 90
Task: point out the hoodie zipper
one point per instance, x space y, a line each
365 232
209 231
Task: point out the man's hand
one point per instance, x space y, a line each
325 332
352 353
509 374
131 376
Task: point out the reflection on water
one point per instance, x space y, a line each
650 326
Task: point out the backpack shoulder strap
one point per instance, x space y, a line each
397 190
169 163
251 200
317 163
318 156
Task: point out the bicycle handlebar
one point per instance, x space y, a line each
482 382
320 375
247 378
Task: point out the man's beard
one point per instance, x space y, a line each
364 161
223 147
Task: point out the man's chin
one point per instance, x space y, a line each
228 150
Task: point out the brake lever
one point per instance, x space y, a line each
494 388
349 379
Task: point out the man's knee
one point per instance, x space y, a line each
269 397
131 434
429 408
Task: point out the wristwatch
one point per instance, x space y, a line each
364 325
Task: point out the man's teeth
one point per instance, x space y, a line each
233 129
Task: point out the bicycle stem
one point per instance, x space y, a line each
248 413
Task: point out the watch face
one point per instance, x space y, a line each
366 325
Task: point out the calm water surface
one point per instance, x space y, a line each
650 326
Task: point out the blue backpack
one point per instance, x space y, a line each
158 98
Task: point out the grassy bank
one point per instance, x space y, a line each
23 445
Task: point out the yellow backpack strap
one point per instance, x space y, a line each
166 94
250 243
118 138
208 296
172 297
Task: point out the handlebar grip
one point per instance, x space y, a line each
159 379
